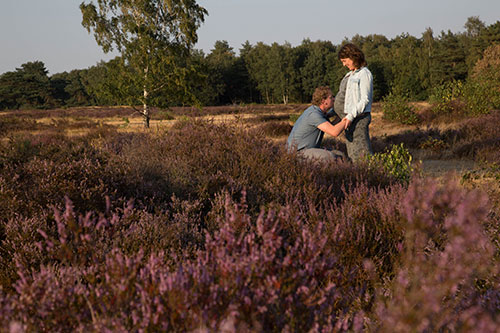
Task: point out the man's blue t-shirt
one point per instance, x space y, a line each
305 133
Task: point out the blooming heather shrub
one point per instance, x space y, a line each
249 275
52 299
480 138
17 150
66 239
41 183
367 224
275 128
446 255
413 139
20 241
474 138
81 180
267 281
262 119
13 123
38 171
198 160
10 202
116 143
6 313
70 238
301 266
77 113
62 124
308 247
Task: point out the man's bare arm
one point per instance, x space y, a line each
333 130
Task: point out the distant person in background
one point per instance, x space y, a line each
308 131
353 102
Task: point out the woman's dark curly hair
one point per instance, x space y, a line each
353 52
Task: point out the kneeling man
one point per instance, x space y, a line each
309 129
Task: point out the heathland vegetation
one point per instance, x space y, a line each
204 222
209 224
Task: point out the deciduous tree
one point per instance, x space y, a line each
153 36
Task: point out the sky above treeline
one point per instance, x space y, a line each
51 31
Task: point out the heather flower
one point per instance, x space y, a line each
446 254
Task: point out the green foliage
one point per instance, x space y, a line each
275 69
480 93
479 96
320 66
227 80
154 38
433 144
158 67
164 115
443 96
407 57
396 162
126 122
72 89
27 87
107 83
449 59
293 117
483 94
397 108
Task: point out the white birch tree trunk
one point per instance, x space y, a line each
145 111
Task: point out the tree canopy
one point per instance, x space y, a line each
171 72
154 38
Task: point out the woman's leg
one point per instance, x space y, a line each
358 137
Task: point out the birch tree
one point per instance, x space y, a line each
154 38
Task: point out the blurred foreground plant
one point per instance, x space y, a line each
448 280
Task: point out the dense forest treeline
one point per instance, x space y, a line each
264 73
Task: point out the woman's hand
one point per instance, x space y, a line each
347 123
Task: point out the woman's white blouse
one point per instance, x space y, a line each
359 93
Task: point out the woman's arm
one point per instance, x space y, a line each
365 90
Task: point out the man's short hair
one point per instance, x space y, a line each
320 94
354 53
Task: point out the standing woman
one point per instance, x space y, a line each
354 101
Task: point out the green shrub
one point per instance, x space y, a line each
397 108
164 115
484 91
445 96
294 117
433 144
479 96
396 162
